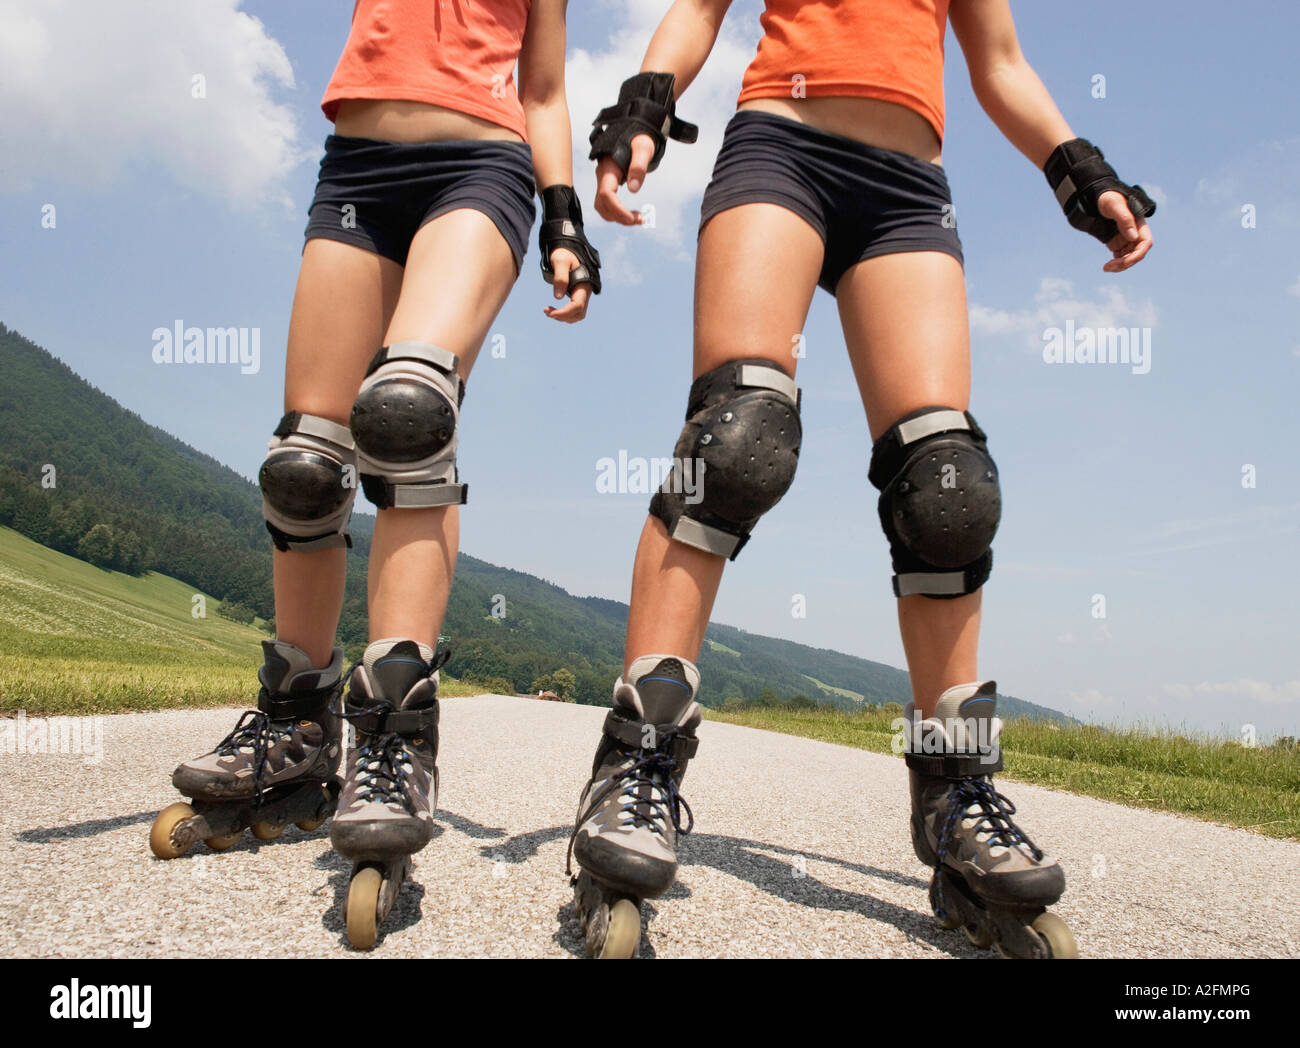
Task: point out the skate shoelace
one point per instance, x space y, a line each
651 791
255 731
977 799
382 769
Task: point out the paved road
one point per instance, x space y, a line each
800 850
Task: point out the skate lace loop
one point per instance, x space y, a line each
382 769
993 816
651 789
255 731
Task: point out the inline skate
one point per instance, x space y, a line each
630 813
390 790
989 878
276 766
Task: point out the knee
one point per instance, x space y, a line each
940 502
405 422
735 458
308 483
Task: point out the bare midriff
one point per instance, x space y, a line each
400 120
885 125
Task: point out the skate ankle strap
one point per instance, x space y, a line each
665 738
383 719
305 705
954 765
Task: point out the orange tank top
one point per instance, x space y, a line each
886 49
459 54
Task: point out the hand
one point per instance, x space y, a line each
609 176
563 261
1131 244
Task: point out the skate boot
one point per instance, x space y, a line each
625 838
989 877
277 766
390 791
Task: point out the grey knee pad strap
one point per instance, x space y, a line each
735 458
940 502
308 482
404 422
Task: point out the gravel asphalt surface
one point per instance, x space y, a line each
800 850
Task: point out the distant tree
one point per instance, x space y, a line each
96 546
492 685
561 681
236 612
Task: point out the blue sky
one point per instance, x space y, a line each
1124 485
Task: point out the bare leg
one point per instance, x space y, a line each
905 325
458 275
344 298
755 275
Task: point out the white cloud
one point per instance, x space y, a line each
1056 302
1157 194
1091 699
1295 288
1262 175
91 91
1246 688
592 81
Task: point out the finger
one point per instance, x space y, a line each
643 151
567 313
576 308
1113 205
561 262
608 205
1129 253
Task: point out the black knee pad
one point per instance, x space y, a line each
735 458
404 422
308 482
940 502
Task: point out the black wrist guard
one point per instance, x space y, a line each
645 107
562 227
1078 175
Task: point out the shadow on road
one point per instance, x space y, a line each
777 870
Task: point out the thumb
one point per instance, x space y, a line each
561 263
643 151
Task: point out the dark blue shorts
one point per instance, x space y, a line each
862 201
376 195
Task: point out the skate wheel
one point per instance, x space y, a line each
307 825
363 907
623 935
979 937
1056 933
227 840
160 833
267 831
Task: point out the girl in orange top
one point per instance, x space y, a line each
416 234
829 175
